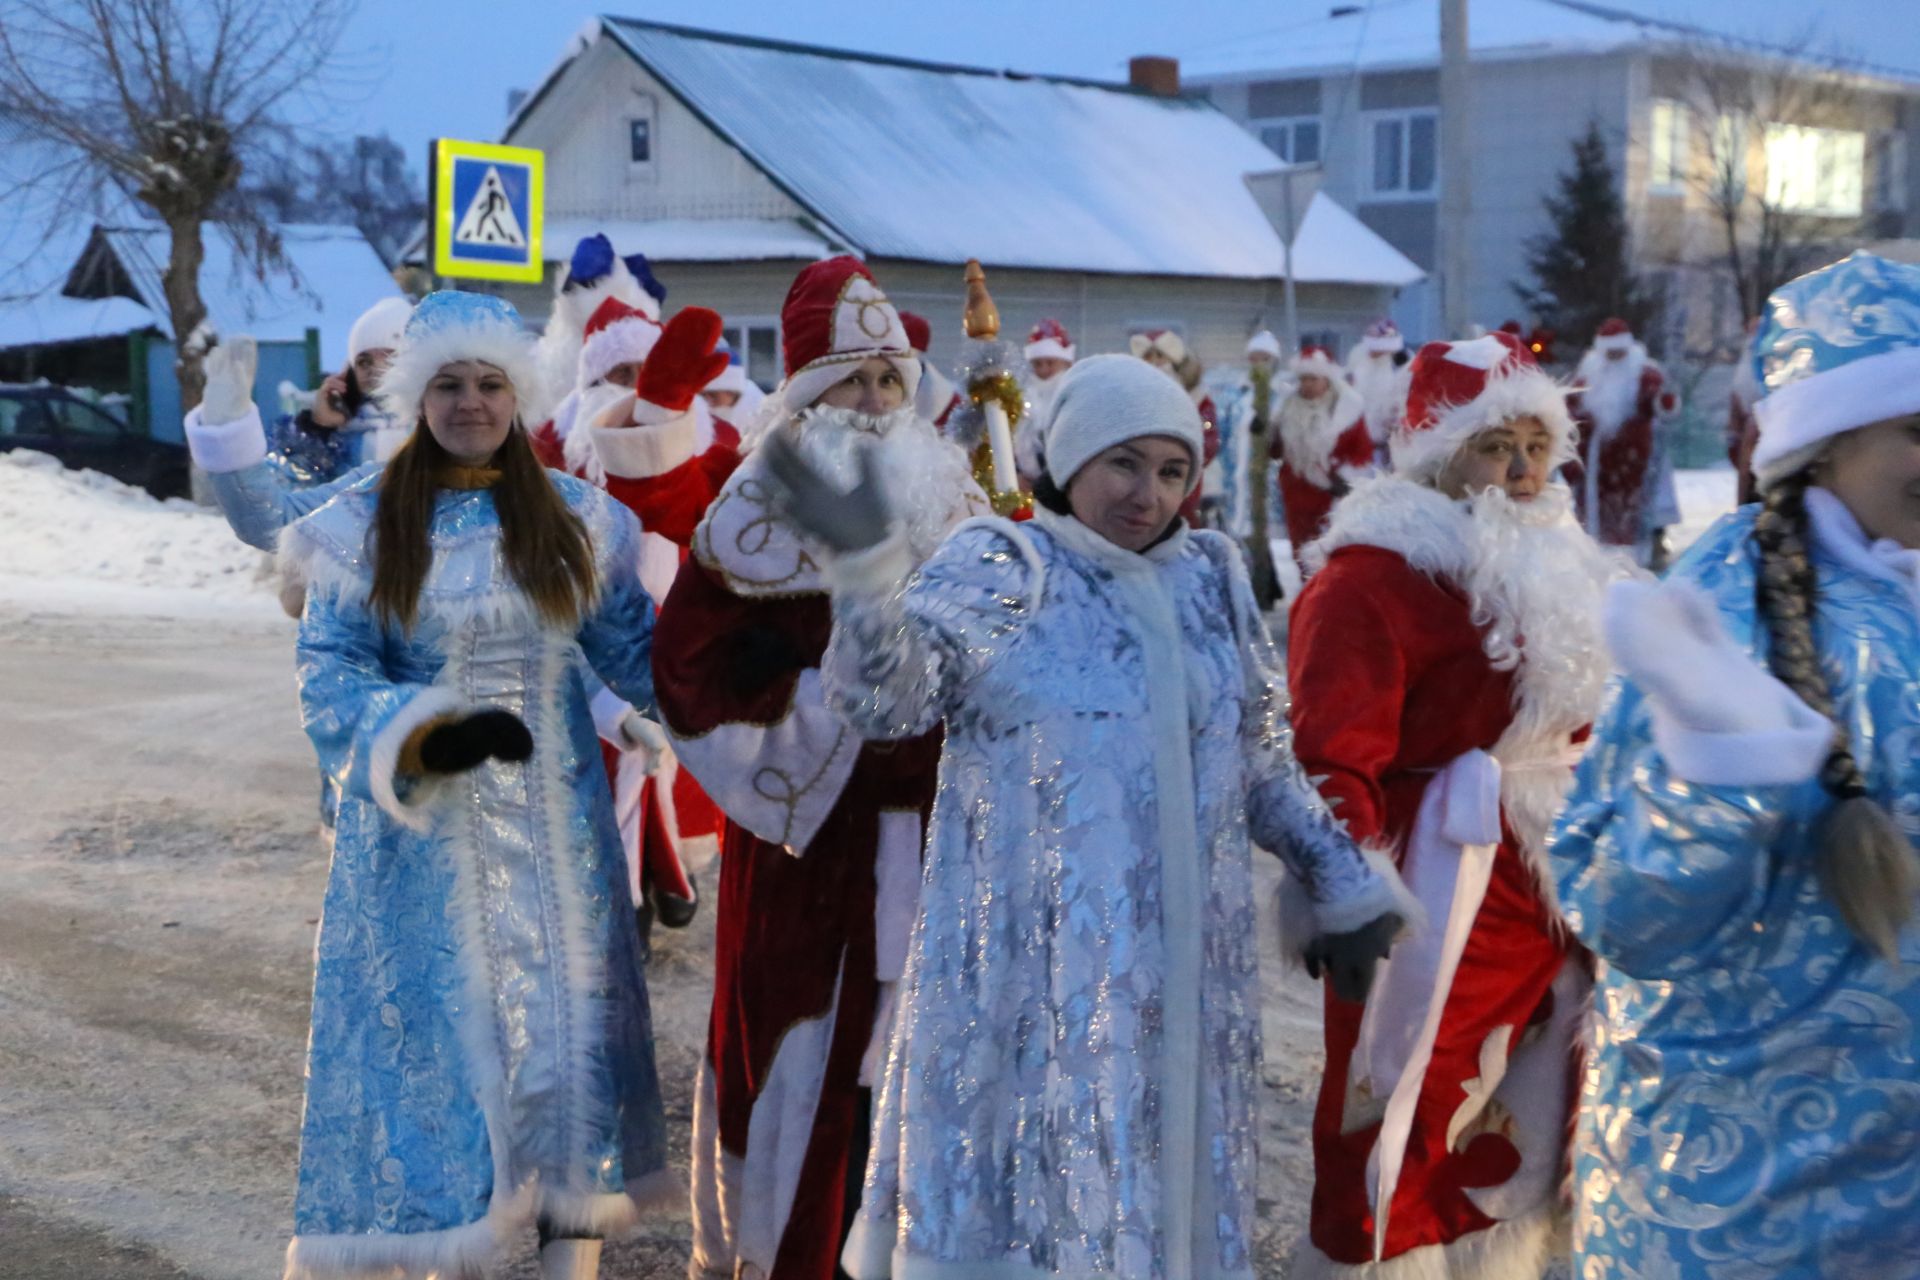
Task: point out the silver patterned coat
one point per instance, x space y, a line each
1751 1109
481 1047
1071 1085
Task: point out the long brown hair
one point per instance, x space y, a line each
1866 863
542 541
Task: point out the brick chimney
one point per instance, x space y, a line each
1156 75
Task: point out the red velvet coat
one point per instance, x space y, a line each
1391 683
1610 492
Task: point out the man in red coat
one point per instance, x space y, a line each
1443 660
1623 406
1322 443
820 859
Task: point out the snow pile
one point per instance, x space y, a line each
1705 496
84 527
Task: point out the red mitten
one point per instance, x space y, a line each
683 360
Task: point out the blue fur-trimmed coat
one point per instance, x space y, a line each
1752 1104
481 1048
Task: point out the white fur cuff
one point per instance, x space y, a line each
227 446
876 571
1780 757
414 813
644 450
1385 892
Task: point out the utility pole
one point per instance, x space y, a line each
1456 179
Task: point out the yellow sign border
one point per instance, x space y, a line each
445 152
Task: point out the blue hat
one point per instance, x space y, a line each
637 264
453 325
592 259
1837 349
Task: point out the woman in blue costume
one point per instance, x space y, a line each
1751 1107
481 1055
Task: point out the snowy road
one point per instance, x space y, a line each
160 875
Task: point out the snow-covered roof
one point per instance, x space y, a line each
52 318
694 239
1333 246
331 275
1379 35
935 163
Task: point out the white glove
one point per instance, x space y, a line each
229 390
1667 637
646 739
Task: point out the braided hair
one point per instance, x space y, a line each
1867 866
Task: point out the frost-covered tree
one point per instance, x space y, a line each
168 100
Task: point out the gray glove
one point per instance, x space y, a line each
229 390
1349 959
847 522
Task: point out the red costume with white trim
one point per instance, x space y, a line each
811 810
1173 349
1447 741
1624 401
1322 446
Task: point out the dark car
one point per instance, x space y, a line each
53 420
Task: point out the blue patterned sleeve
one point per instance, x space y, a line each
905 643
617 634
357 715
259 500
1661 876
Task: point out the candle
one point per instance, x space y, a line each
1000 445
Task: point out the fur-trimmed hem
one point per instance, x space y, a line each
455 1253
1518 1249
416 814
608 1215
220 448
870 1256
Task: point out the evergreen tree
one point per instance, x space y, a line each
1581 271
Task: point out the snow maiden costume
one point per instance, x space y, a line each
481 1049
1443 659
823 833
1072 1080
1752 1107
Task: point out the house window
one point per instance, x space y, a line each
1405 153
641 141
1295 141
1816 171
758 342
1889 170
1667 149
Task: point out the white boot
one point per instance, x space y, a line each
570 1259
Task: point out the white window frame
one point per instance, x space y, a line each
737 330
1667 146
1372 120
1821 147
644 109
1292 126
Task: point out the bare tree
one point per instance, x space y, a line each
167 100
1769 229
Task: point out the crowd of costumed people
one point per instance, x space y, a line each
965 675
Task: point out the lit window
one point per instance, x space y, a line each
1667 152
1406 154
1817 171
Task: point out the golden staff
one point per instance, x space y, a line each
995 392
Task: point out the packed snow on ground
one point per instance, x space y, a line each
83 538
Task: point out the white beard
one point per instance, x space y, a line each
1383 390
1612 392
1310 428
924 478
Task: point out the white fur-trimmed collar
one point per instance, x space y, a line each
1427 529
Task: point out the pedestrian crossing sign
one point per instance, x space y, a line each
488 205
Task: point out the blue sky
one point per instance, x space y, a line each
429 68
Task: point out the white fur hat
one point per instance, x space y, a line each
452 325
379 326
1264 343
1107 400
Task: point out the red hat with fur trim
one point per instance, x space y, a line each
1316 360
1049 341
835 317
616 334
1613 335
919 332
1460 389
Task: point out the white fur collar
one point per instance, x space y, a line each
1423 526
